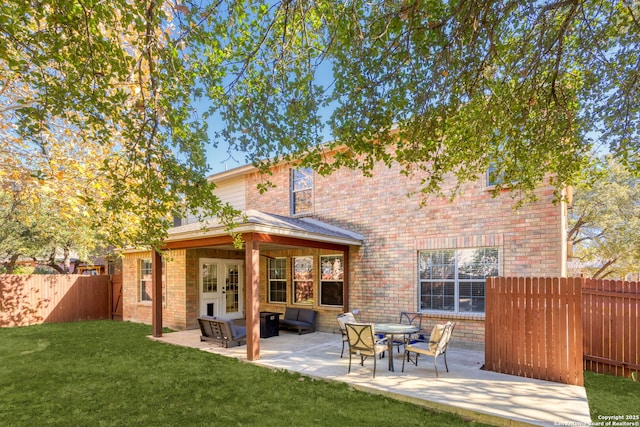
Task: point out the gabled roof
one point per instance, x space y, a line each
263 222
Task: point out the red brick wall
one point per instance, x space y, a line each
132 308
395 227
181 306
383 275
174 313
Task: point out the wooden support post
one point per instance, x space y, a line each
252 258
156 294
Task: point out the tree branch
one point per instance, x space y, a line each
599 274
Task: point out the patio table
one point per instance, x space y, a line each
391 329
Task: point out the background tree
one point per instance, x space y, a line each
605 223
40 235
97 117
449 87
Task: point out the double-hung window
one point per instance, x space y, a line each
331 280
146 283
454 280
277 280
303 280
145 280
301 191
493 176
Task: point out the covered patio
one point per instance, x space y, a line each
261 234
467 390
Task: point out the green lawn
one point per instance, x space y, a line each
108 373
613 396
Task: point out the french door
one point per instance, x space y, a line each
220 286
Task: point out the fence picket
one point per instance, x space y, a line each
533 320
547 365
576 326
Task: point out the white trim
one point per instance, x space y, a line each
232 173
267 229
213 228
276 226
222 283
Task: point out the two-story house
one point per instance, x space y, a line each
347 242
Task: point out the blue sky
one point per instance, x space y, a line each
219 160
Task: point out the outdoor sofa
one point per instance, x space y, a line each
299 319
222 331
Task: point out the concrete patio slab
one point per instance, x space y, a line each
489 397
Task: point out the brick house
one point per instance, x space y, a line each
348 242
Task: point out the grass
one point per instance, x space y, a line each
611 396
109 374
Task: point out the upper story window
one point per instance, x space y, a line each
493 176
455 279
301 191
496 176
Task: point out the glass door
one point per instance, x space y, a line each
221 284
210 292
233 291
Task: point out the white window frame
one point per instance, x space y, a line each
145 267
488 270
331 273
299 185
296 280
273 281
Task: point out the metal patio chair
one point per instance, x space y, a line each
409 318
436 346
344 318
363 343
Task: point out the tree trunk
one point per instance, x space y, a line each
12 263
67 261
52 262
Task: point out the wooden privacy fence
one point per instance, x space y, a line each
34 299
554 328
533 328
611 313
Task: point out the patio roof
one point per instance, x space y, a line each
260 231
276 225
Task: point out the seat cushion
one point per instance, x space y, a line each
238 331
294 323
436 334
291 314
307 316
